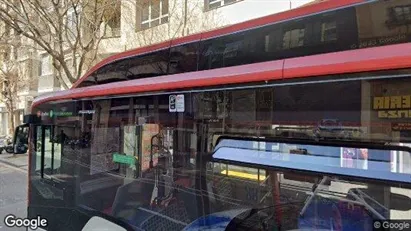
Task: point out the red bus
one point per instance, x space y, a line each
290 112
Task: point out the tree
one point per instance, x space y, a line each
62 28
8 78
12 79
74 29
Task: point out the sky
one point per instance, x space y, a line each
249 9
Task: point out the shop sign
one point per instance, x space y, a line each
124 159
380 41
401 126
392 107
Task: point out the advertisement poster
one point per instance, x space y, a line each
354 158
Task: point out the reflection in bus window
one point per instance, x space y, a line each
127 155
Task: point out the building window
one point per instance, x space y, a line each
293 38
72 21
112 18
328 31
45 65
14 52
212 4
153 13
399 15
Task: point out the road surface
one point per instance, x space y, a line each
13 194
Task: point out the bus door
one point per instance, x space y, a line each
51 193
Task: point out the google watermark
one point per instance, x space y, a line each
12 221
401 225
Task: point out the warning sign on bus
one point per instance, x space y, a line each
180 103
176 103
172 103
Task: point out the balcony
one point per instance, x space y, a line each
48 83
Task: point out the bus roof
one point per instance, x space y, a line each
369 59
270 19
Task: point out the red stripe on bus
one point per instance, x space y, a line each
186 39
392 57
298 12
375 59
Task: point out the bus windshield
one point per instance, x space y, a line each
215 166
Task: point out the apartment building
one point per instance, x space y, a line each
134 23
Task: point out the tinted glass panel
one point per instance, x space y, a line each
144 66
222 52
368 25
183 58
317 102
136 160
383 23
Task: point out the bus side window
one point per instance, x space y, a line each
183 58
222 52
38 148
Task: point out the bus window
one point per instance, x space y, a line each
48 150
222 52
147 65
38 145
183 58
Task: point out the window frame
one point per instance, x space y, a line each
325 28
162 18
208 4
42 69
72 21
395 19
299 36
114 19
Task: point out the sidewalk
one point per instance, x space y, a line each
18 161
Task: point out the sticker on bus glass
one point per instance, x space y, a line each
172 103
180 103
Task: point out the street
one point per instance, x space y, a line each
13 194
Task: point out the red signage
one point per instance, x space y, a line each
401 126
